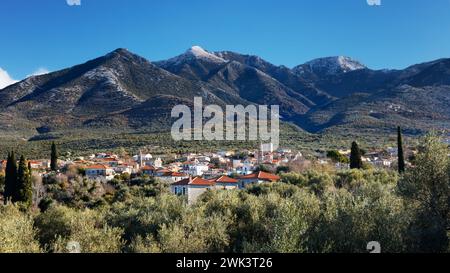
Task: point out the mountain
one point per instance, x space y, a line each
431 74
116 82
329 66
416 109
376 101
195 64
282 74
238 78
122 90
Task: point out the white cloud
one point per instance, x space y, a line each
73 2
5 79
39 71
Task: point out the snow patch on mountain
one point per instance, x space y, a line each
110 78
192 54
331 65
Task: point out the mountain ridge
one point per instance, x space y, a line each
323 95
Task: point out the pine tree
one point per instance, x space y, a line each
11 179
54 158
355 157
25 188
401 155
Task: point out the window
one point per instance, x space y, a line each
184 191
176 190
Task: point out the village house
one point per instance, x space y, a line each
105 155
148 170
137 158
109 161
384 163
143 159
39 165
257 178
174 167
226 183
135 167
192 188
219 159
204 159
172 177
212 173
158 163
162 172
147 157
245 167
236 163
195 168
100 171
124 168
267 158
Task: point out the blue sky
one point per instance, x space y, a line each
50 34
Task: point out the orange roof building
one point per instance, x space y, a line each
96 167
192 188
197 181
261 176
257 178
225 180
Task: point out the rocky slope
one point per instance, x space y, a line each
123 90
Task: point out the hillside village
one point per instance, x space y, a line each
192 174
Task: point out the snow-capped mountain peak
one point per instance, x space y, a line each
195 53
331 65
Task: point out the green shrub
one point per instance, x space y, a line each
60 225
17 234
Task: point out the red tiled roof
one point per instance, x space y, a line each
177 174
35 162
261 176
225 180
197 181
173 174
108 159
96 167
148 168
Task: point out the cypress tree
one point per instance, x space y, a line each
355 157
9 184
54 158
25 189
401 155
11 179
